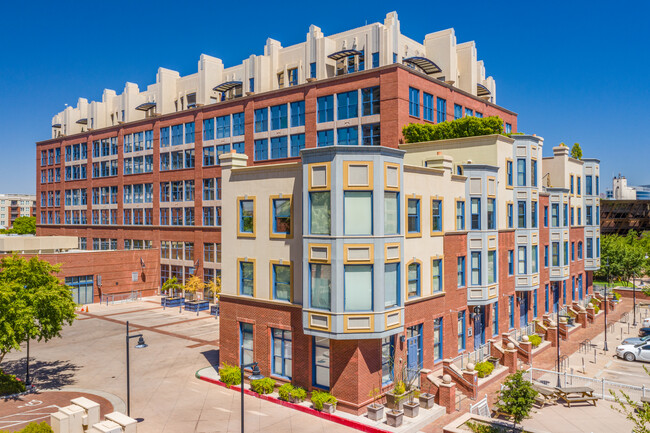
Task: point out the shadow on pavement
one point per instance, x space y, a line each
43 374
212 356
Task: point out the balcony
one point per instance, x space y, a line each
482 295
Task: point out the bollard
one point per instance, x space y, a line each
621 333
584 370
595 358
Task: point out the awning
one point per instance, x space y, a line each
56 125
146 106
345 53
481 90
423 63
82 121
228 85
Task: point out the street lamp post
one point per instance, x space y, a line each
255 376
606 287
27 379
634 296
141 344
557 336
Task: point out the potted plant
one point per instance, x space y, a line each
426 398
375 409
323 401
193 286
412 406
403 390
284 392
394 417
297 395
170 287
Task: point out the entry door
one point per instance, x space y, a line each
523 311
412 357
556 296
479 329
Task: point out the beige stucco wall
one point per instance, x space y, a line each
37 244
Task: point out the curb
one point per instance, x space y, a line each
30 390
327 416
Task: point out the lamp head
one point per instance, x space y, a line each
141 344
256 375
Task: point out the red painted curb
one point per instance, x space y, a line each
327 416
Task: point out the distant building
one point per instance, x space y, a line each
13 206
621 216
622 191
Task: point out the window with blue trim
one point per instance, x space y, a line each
281 352
476 273
469 112
325 108
579 216
413 209
510 209
475 210
325 138
298 114
375 60
578 180
293 76
533 214
573 251
413 280
589 215
546 298
508 128
321 362
262 119
535 303
246 278
479 115
348 136
414 102
370 101
460 271
297 143
371 134
391 285
312 69
436 276
220 150
282 215
521 214
279 147
442 110
282 282
545 216
208 129
458 111
521 172
511 312
461 331
347 104
564 292
597 185
533 172
261 149
357 287
246 216
511 262
177 135
394 57
279 117
223 126
565 220
509 172
208 156
189 132
427 106
555 215
436 215
491 214
251 84
239 147
437 339
320 285
238 124
246 343
546 256
460 215
387 357
495 318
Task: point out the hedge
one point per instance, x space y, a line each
466 127
10 384
484 368
263 386
320 397
230 374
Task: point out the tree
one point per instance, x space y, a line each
34 303
23 226
193 285
214 287
576 151
638 414
170 286
516 397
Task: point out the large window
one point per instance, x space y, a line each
261 150
297 113
436 275
413 280
511 262
281 352
321 285
370 101
279 118
555 247
320 213
347 105
533 172
247 216
460 215
590 248
495 318
358 212
492 267
461 271
246 278
413 215
522 263
521 172
358 287
521 214
82 289
246 343
262 119
279 147
282 282
325 108
427 106
533 214
555 215
589 215
491 214
437 339
509 172
510 211
387 359
458 111
436 215
414 102
442 110
321 357
461 331
476 213
391 285
282 216
476 268
325 138
391 213
534 259
348 136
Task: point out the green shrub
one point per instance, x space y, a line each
484 368
285 391
35 428
10 384
298 394
596 309
263 386
230 374
535 340
617 296
320 397
466 127
594 301
400 388
483 428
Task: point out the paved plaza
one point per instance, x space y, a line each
165 395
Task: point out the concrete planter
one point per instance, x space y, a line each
329 407
172 302
394 419
396 401
426 400
375 412
412 410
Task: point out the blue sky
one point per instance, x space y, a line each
575 71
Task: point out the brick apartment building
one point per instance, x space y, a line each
288 175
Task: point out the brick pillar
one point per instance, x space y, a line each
551 334
447 394
505 338
582 317
539 327
495 353
591 313
575 305
527 346
472 377
612 305
564 329
510 358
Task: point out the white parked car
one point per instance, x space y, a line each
646 323
632 352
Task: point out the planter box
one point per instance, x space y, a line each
197 305
375 413
426 400
394 419
412 410
214 310
329 407
396 402
172 302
